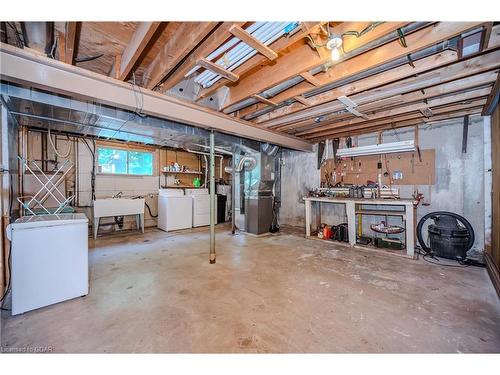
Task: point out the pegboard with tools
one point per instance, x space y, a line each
406 168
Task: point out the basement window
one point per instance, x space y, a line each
124 162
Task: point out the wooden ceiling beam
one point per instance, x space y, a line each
482 62
279 46
135 48
357 86
218 37
304 59
402 124
253 42
363 84
264 100
70 42
470 95
302 100
311 79
405 117
185 38
456 86
218 69
493 98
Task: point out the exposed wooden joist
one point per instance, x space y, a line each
363 84
218 69
25 68
402 124
137 44
302 100
218 37
70 42
253 42
474 65
470 95
185 38
405 117
264 100
455 86
311 79
279 46
493 98
287 66
404 71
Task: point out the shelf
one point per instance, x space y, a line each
381 213
187 172
179 187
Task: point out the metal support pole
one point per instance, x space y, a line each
212 197
233 194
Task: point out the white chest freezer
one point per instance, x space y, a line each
49 260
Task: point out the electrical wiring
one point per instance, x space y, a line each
70 147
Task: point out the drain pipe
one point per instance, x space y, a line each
205 154
212 197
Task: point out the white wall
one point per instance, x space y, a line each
459 183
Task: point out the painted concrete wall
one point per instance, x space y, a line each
459 183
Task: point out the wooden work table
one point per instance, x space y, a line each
350 206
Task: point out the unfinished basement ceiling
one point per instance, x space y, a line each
39 109
280 76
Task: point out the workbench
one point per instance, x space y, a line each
350 206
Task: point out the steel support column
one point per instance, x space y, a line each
212 197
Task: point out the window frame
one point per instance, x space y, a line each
106 145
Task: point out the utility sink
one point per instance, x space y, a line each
107 207
118 207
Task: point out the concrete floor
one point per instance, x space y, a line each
282 293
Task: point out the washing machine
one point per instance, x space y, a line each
201 206
175 210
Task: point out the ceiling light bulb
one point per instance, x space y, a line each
335 54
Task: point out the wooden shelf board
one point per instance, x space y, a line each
189 172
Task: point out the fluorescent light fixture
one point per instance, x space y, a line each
383 148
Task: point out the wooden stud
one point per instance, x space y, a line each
136 46
311 79
117 67
61 42
302 100
218 69
70 42
264 100
253 42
